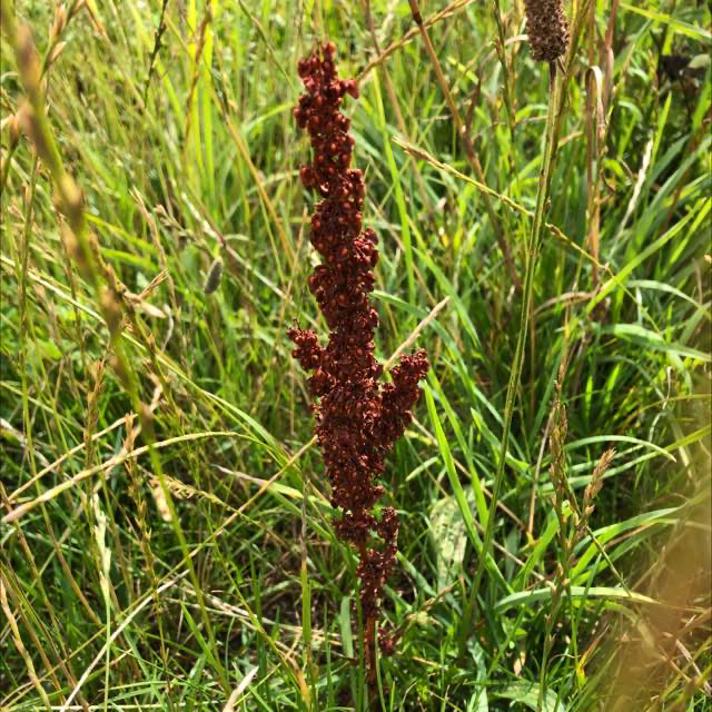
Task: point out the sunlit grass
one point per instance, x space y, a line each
226 587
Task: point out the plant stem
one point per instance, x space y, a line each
369 644
556 101
464 137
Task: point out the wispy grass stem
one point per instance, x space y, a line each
551 131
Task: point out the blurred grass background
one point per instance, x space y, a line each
204 573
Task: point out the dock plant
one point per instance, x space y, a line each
358 417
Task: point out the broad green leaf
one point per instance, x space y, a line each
528 693
580 593
450 538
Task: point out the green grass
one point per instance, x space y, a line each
167 539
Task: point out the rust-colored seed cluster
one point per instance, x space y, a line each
547 28
357 418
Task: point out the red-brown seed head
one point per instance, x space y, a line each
357 419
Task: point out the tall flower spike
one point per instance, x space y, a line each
547 28
357 418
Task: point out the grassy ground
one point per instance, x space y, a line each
167 541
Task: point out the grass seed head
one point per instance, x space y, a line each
212 280
547 28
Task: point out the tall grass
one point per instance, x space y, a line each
166 541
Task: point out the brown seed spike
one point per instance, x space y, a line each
547 28
212 280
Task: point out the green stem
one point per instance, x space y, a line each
556 101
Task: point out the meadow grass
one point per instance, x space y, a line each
167 539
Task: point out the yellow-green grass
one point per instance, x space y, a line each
167 539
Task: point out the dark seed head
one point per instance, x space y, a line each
547 28
212 280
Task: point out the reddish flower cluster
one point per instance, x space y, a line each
358 419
